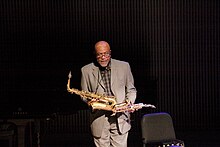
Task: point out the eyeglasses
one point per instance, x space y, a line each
105 54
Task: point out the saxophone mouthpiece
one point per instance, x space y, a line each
70 75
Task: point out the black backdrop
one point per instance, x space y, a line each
172 46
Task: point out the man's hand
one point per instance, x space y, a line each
131 109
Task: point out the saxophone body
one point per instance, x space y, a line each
96 101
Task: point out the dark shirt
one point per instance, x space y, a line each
106 77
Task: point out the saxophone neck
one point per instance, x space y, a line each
68 83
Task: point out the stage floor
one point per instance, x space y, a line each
192 138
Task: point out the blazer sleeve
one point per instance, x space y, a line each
131 91
84 83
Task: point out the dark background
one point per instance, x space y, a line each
172 47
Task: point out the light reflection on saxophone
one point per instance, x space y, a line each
102 102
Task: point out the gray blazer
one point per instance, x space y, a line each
122 86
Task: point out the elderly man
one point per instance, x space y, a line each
109 77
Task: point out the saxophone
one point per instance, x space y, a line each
102 102
96 101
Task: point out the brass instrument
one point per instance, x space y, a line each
128 107
102 102
97 101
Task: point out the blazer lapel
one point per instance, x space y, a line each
98 77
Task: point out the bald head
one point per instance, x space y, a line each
102 44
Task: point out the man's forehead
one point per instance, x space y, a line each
101 44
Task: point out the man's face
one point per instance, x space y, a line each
103 53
